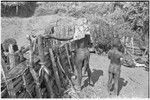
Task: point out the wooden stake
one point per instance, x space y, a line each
34 74
10 86
42 62
70 81
68 57
132 45
11 57
55 70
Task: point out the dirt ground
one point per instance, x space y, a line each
133 81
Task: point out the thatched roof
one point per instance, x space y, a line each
13 3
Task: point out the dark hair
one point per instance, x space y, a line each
116 43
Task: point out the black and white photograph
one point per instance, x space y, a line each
75 49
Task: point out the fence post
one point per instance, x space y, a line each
11 57
10 86
55 70
4 66
68 57
69 79
132 42
43 66
34 74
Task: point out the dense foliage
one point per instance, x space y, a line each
106 18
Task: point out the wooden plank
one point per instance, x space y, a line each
12 65
11 57
18 86
25 85
67 75
4 66
21 95
55 70
43 66
32 71
17 81
17 71
49 86
4 92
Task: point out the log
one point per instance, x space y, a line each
68 57
55 70
67 75
49 86
43 67
10 86
4 66
32 71
25 85
4 92
17 81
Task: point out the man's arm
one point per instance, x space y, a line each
109 54
60 39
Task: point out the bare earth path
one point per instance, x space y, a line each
133 81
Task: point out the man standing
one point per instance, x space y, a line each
82 55
82 41
114 70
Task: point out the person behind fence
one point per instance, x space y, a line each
82 40
82 55
114 70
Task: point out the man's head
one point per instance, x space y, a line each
82 21
116 43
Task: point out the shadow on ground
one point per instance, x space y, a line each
94 77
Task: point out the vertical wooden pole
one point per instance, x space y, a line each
132 45
4 66
34 74
42 62
10 86
17 9
11 57
68 57
25 85
55 70
70 81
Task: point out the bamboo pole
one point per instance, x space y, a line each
70 81
34 74
11 57
132 45
25 85
4 66
10 86
49 85
43 67
55 70
68 58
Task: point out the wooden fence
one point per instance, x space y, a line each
46 73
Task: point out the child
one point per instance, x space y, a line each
114 70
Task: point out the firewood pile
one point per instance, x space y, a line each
45 73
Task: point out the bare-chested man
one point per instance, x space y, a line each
114 70
82 54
